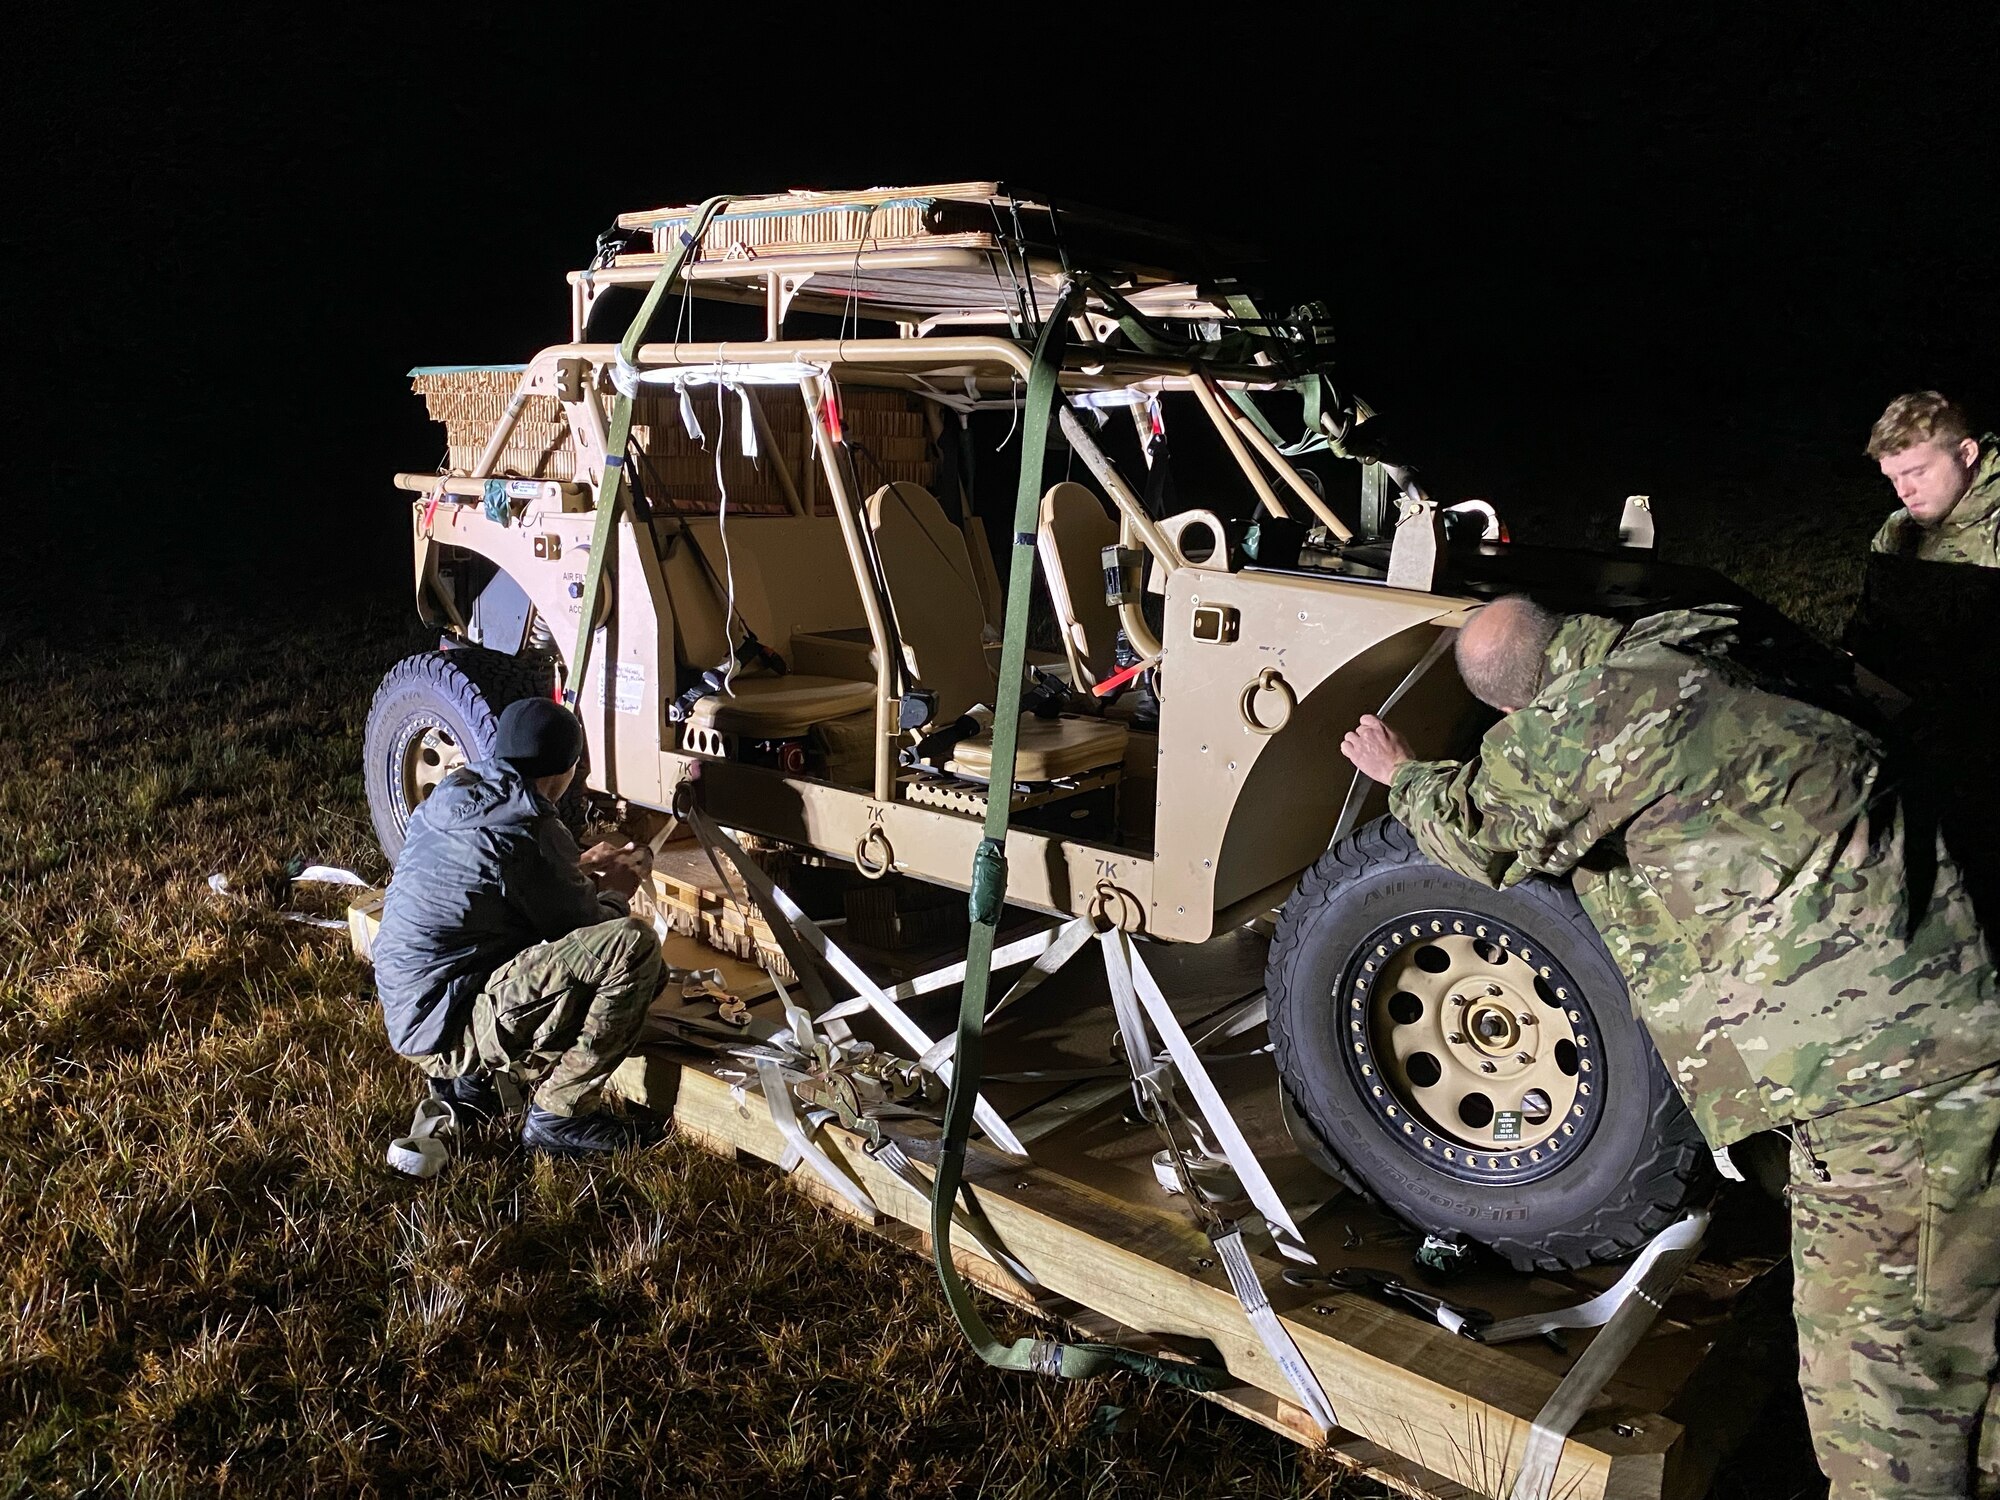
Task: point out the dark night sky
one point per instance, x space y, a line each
1579 251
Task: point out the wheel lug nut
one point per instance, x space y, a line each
1487 1067
1458 999
1526 1019
1456 1038
1524 1057
1492 989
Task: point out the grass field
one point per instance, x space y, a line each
209 1284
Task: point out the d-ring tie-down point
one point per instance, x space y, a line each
1270 680
874 843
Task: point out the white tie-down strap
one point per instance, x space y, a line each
312 874
1070 937
1215 1114
971 1221
1277 1342
1624 1313
1678 1240
792 927
1005 956
1357 789
778 1095
328 875
421 1153
627 379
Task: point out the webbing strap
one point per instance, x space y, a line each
989 880
611 487
1639 1297
989 894
421 1153
1357 789
1277 1342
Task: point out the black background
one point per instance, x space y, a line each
1578 252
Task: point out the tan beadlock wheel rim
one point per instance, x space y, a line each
428 757
1486 1069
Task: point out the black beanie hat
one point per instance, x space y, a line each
538 737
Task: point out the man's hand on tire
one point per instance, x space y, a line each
1376 749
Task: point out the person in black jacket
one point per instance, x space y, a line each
504 949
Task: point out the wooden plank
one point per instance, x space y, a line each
1453 1407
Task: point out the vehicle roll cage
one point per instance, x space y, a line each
1133 336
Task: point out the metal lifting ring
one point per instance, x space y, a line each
1099 910
874 839
1270 680
684 794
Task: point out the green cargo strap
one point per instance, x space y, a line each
989 893
611 487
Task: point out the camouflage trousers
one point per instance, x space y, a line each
561 1014
1896 1260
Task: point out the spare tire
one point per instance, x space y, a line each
1469 1057
435 712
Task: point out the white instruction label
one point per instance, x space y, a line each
631 691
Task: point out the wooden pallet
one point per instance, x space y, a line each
1421 1410
693 899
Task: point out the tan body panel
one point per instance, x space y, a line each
1238 810
621 726
1044 870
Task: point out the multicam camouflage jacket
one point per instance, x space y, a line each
1744 861
1970 534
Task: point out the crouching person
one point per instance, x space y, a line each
502 949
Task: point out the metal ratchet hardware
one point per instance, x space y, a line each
1459 1319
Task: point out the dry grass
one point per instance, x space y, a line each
209 1282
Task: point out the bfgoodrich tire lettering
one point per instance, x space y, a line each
1635 1159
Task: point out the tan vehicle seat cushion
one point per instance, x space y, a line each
1048 749
781 708
1070 538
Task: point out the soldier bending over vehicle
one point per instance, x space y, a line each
504 949
1796 965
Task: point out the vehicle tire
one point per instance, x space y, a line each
434 712
1470 1058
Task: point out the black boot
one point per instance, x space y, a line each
473 1099
583 1135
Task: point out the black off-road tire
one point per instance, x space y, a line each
1642 1160
462 692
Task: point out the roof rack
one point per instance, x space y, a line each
923 257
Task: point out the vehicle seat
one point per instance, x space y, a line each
764 706
939 621
768 707
1046 749
933 596
1070 538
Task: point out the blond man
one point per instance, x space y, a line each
1948 481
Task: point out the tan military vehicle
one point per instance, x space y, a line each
790 580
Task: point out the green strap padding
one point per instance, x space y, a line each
611 488
988 899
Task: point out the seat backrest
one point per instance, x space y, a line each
792 574
699 641
935 596
1072 534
